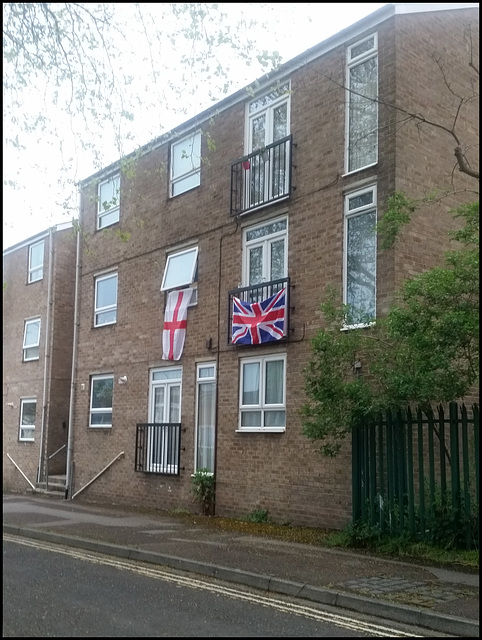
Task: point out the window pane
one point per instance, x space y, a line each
258 132
36 260
280 122
269 97
106 292
102 393
274 418
180 269
362 48
250 418
361 268
186 156
363 115
256 265
28 413
266 230
107 219
206 425
206 372
360 201
159 404
100 419
250 383
32 333
277 260
175 404
168 374
274 382
189 182
109 195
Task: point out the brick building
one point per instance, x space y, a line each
272 193
38 321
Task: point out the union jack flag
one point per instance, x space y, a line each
257 322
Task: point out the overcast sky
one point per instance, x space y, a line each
35 203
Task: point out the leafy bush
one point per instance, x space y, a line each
203 490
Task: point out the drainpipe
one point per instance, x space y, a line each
70 437
47 357
232 233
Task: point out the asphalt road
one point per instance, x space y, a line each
55 591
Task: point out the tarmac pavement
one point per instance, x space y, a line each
436 599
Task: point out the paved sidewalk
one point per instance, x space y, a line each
436 599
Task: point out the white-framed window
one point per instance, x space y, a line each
181 272
361 104
205 416
268 121
28 410
165 411
108 195
186 164
36 261
262 392
105 306
360 257
31 339
101 391
265 252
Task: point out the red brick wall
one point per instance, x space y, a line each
280 472
26 379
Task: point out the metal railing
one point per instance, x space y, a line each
262 177
260 293
158 448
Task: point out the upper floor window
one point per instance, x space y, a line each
108 202
36 261
265 252
262 405
181 271
186 164
362 106
360 257
105 309
31 339
268 121
102 388
28 410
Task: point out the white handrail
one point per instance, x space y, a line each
99 474
56 452
13 461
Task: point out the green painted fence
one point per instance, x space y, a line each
417 472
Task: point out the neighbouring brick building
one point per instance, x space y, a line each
38 322
273 192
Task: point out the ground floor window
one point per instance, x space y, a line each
28 410
262 393
165 414
102 388
205 416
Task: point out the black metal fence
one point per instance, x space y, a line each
261 177
418 472
158 448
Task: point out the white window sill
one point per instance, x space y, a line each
363 325
261 430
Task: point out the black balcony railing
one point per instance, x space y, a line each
262 177
263 322
158 448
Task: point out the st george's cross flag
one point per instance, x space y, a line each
175 323
257 322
